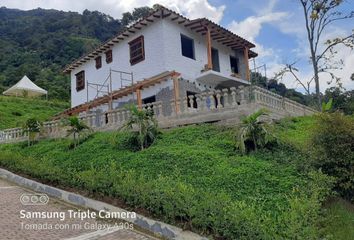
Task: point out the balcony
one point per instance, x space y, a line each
220 80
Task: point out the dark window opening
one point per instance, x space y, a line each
187 47
106 118
109 56
215 59
80 80
98 62
234 64
193 103
137 52
149 99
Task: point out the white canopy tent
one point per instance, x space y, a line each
25 87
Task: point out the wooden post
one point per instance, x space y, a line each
110 90
138 96
210 63
176 92
245 53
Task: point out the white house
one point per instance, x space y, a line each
161 57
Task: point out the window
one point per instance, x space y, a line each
98 62
234 64
149 99
80 80
109 57
215 59
137 53
187 45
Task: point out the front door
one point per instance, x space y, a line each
215 59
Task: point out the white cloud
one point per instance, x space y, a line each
251 26
115 8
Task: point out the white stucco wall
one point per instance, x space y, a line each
191 68
152 65
162 53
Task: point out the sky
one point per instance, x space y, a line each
275 26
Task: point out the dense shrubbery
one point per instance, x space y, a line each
333 147
191 177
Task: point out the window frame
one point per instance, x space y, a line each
237 65
216 64
193 46
140 52
98 62
109 56
80 81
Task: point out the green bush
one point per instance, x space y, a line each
333 148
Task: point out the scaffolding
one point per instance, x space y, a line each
106 89
259 70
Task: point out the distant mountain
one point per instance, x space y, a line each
39 43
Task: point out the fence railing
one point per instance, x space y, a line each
207 106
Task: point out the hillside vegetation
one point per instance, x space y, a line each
192 177
15 111
39 43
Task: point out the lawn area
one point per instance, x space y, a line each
15 111
340 219
191 176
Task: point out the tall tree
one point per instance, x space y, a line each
319 15
138 13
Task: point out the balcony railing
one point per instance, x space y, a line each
210 106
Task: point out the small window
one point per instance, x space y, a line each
149 99
234 64
80 81
109 57
98 62
137 52
187 45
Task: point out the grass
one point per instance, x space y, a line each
340 219
15 111
296 131
191 176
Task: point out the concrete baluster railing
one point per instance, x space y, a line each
173 107
218 99
233 97
226 97
200 103
211 98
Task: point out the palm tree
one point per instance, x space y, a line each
76 128
146 124
253 130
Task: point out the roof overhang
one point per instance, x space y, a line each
214 78
200 26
